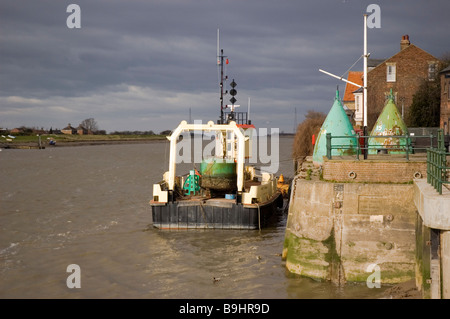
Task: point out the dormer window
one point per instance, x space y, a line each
390 72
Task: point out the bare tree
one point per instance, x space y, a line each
90 124
303 138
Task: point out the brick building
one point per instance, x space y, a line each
69 129
445 100
403 73
82 130
352 101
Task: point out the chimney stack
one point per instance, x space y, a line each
405 42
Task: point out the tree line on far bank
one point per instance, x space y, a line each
166 132
90 125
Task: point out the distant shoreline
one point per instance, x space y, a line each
80 142
106 142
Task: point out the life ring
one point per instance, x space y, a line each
352 175
417 175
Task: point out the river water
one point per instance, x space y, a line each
88 205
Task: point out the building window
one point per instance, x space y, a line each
448 91
431 71
390 72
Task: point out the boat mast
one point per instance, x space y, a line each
221 88
220 59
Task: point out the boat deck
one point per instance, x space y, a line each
216 200
214 213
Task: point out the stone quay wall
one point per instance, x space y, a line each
387 217
336 231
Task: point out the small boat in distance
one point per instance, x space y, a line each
225 193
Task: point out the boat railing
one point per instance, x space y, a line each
238 117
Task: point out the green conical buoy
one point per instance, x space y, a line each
389 122
338 124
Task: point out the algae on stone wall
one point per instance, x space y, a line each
423 252
313 258
335 231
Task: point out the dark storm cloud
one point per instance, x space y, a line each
146 59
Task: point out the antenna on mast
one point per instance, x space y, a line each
248 111
220 59
218 47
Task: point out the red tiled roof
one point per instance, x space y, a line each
355 77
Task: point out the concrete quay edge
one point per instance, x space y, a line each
432 207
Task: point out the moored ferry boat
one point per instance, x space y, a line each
225 193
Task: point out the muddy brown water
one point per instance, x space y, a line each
88 205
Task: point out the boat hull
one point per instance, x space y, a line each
214 214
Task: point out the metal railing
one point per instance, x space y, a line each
437 164
408 146
238 117
437 169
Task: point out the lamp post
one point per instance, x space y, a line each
402 99
365 88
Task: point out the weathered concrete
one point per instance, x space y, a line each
445 263
432 207
336 230
432 240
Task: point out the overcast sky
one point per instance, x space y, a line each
142 64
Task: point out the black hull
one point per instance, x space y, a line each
214 214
